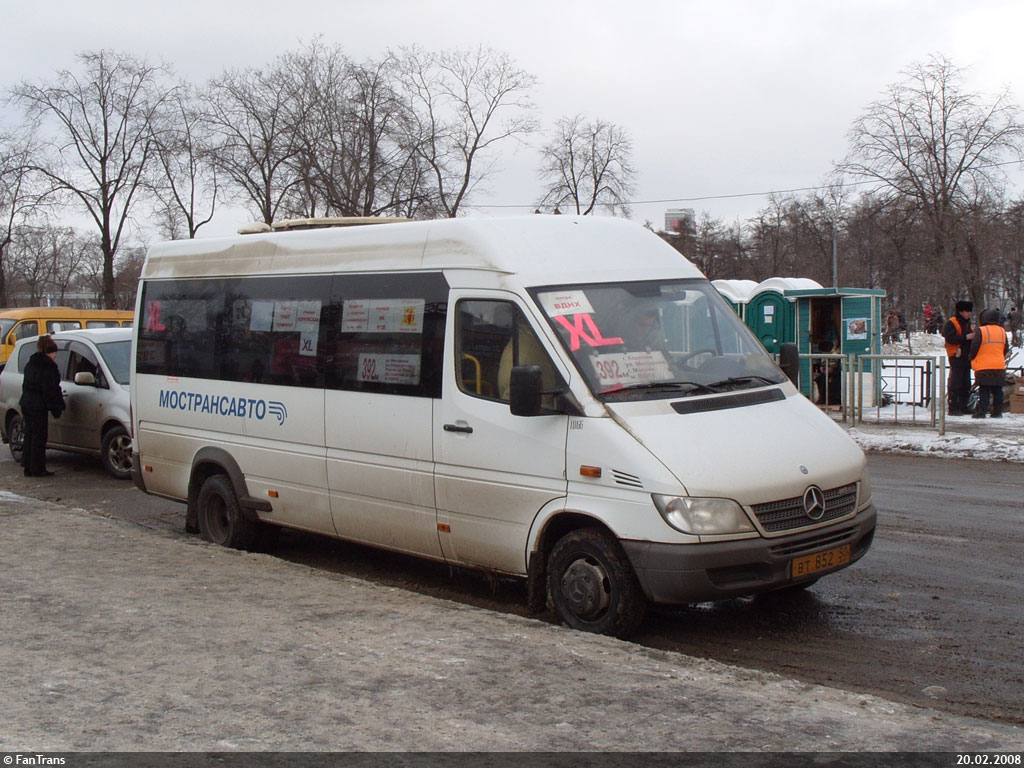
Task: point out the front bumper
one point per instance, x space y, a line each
677 574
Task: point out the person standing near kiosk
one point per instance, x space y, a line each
988 359
958 334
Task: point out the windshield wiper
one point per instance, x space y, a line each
741 380
675 386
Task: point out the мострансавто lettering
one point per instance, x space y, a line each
220 405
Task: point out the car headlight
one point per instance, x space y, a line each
696 516
864 495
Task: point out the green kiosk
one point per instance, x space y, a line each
819 321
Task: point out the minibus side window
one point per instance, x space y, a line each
26 329
385 334
56 326
370 333
492 337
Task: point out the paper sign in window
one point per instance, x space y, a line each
284 316
389 369
625 369
307 343
382 316
262 317
307 316
560 303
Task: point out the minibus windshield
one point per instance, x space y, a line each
656 339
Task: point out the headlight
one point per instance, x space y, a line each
691 515
865 490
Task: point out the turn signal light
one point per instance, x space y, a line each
588 471
272 494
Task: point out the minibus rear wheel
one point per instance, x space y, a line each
220 517
592 586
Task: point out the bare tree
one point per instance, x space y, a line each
1011 265
185 189
465 102
69 250
33 255
586 164
354 129
254 144
773 250
18 198
936 143
99 123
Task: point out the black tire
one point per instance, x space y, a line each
592 586
16 437
116 452
220 518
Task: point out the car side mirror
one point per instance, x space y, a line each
525 390
85 378
789 362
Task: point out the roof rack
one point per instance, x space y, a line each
288 225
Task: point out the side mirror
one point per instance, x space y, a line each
525 390
85 378
789 362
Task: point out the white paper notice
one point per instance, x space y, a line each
307 317
262 318
389 369
355 315
307 343
625 369
284 316
382 316
565 303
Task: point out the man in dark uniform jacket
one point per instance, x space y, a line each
958 334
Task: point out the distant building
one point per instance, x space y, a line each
680 221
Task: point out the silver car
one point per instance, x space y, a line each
94 367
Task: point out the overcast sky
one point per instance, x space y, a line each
721 98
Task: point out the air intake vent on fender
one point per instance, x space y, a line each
624 478
740 400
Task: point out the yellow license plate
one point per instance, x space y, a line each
820 561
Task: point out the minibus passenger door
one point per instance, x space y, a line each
494 471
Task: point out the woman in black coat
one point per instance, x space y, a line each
40 395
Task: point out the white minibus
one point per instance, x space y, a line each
563 399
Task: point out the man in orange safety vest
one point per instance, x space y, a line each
988 359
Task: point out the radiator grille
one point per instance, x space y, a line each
788 514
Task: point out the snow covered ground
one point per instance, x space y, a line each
988 439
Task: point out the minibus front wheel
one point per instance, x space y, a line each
592 586
220 517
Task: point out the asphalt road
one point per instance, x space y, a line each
931 616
